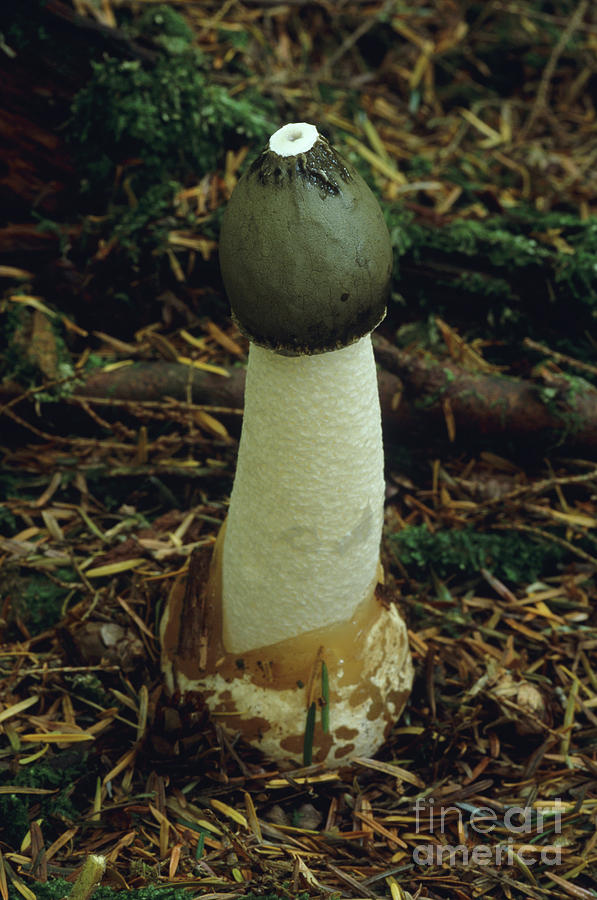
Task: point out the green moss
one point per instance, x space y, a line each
19 364
162 123
151 892
418 166
57 772
36 600
93 362
58 888
488 286
88 685
42 602
563 404
165 27
140 131
511 275
15 819
507 554
145 225
14 364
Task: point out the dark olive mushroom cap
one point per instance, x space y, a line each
305 253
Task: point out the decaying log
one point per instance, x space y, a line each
425 402
157 380
38 86
480 409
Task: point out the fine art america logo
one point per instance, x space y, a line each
517 829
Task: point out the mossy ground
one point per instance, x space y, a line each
59 889
490 203
511 556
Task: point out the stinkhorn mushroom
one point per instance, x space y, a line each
296 639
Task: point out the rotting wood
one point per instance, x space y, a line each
416 392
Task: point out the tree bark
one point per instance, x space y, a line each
474 409
425 402
38 85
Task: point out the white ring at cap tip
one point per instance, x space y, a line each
294 138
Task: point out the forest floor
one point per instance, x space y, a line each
120 409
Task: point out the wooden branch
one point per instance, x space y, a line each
157 380
425 401
485 408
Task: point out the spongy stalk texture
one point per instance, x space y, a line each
306 512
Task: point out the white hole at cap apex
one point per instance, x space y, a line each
294 138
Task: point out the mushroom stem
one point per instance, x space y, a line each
290 640
306 511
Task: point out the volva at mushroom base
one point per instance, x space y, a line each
294 633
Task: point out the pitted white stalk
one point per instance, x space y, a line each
306 261
304 527
294 138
